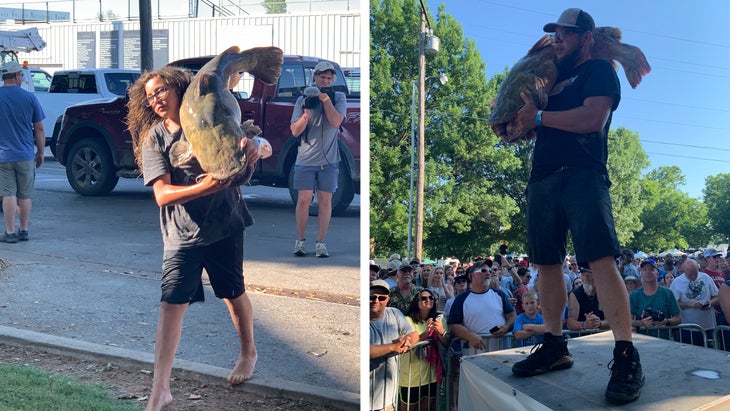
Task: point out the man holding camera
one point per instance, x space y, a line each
653 305
317 116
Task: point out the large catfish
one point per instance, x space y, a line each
536 74
211 118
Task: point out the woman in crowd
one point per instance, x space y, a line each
667 280
420 368
440 287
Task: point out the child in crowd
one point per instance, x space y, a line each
529 326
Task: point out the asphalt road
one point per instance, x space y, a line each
92 266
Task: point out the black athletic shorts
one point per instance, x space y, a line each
182 270
571 198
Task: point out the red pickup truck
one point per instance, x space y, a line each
96 149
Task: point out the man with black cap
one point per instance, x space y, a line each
568 188
318 155
405 291
653 305
390 333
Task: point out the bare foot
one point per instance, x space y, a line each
159 401
243 371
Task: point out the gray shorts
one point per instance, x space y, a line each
322 178
17 179
574 199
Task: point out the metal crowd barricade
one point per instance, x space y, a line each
684 333
721 337
417 351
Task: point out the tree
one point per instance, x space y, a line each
275 6
626 159
717 199
466 206
670 218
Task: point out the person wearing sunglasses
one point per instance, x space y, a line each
390 334
480 311
568 191
420 368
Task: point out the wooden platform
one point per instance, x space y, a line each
679 377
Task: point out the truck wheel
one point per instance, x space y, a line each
341 198
90 169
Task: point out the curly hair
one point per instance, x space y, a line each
414 311
140 117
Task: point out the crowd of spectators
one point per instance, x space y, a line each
457 305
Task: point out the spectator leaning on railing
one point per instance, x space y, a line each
390 333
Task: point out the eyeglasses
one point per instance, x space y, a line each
380 298
429 298
159 94
485 270
561 35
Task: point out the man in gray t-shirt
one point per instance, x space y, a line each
317 116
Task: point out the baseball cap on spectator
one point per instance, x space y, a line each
394 256
324 66
584 267
393 265
374 267
11 67
405 267
645 262
524 263
711 252
632 278
572 18
380 285
461 277
415 262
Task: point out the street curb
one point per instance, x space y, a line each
208 373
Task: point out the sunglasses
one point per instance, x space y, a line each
429 298
380 298
561 35
459 272
459 281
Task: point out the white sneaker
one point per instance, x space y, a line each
320 249
299 249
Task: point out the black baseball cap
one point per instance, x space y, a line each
572 18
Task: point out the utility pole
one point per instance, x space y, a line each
421 130
145 35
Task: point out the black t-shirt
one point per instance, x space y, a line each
557 148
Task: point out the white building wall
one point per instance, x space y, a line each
334 36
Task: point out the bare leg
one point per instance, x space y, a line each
24 206
613 296
325 213
169 330
302 212
553 297
242 316
10 205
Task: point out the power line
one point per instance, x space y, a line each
685 145
690 157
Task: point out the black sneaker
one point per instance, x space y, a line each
627 378
8 238
23 235
551 355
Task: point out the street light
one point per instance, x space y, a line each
443 79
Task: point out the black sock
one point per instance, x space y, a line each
623 346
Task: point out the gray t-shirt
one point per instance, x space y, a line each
198 222
318 142
384 370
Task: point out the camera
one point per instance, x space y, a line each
311 101
656 315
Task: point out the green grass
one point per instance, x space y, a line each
25 387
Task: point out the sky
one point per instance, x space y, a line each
680 111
